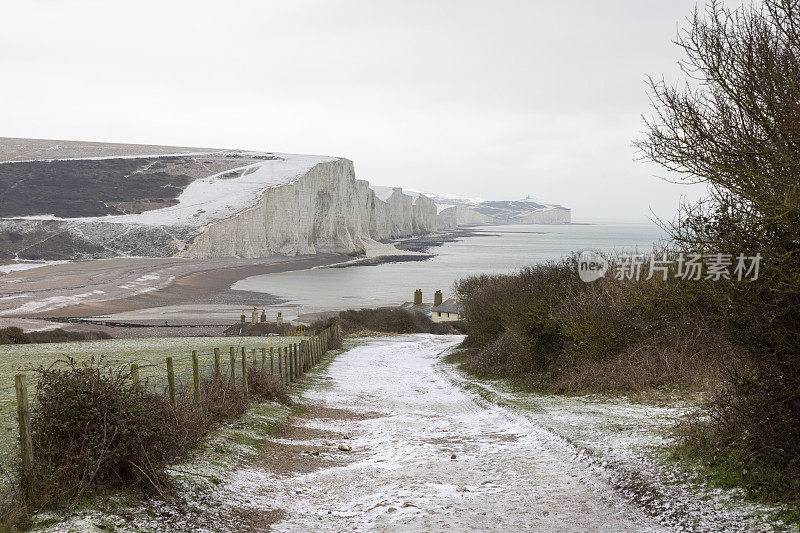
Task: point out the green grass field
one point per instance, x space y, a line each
149 354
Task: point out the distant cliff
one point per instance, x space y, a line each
63 200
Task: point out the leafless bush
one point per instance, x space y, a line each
391 320
266 386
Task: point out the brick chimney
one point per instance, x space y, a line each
437 298
279 320
263 315
418 297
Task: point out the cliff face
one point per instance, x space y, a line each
200 203
319 212
453 217
325 210
423 216
550 215
278 205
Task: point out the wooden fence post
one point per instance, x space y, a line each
135 375
271 363
24 420
171 380
196 377
263 358
291 364
286 367
245 389
233 367
255 359
217 364
301 357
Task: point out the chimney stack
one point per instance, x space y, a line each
418 297
244 318
263 315
255 315
279 320
437 298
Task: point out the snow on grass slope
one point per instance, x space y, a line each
626 443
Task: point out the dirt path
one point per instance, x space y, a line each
425 455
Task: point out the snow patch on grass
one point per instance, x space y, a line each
627 443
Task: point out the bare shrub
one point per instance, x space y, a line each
689 358
391 320
266 386
14 335
93 431
546 328
736 131
221 400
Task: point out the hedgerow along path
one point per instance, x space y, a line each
173 367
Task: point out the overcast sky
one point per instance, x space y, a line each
486 99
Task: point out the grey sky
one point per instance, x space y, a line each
490 99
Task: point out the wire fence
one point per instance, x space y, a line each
283 357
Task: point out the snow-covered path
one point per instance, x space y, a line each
507 474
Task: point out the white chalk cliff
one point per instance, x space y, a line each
324 210
275 204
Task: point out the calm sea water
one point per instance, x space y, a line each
495 249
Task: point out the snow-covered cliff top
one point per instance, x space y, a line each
217 196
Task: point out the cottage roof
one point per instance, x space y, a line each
451 305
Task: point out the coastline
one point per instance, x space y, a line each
86 295
148 297
123 285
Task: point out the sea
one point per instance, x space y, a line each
491 250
